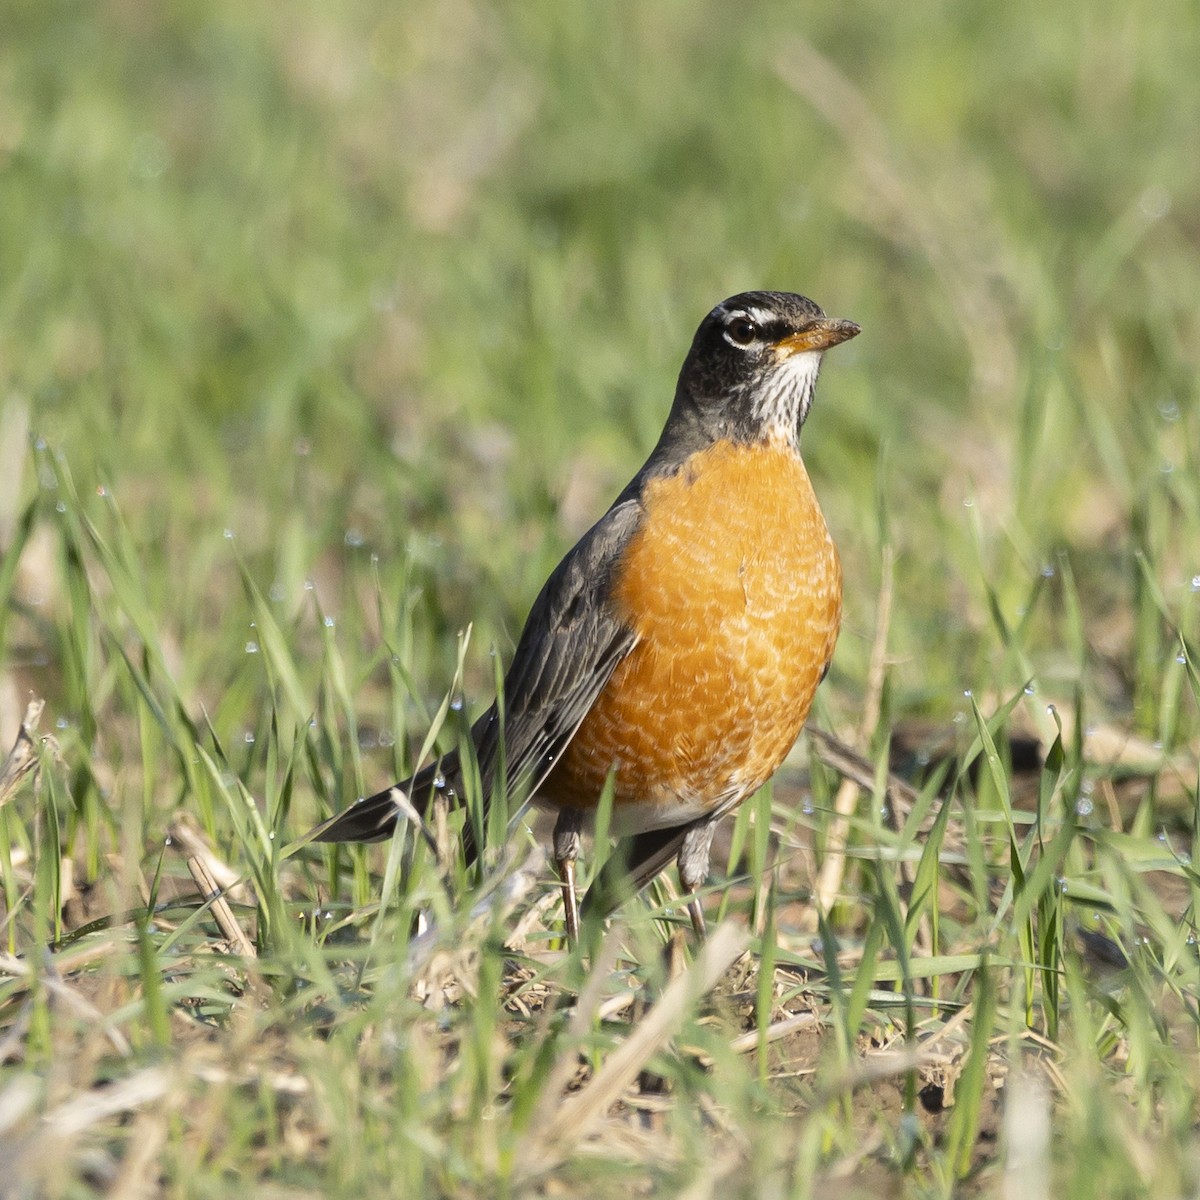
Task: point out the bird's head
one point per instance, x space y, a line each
753 365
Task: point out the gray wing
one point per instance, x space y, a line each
570 646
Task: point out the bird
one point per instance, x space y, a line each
673 654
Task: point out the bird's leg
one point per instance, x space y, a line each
693 869
566 851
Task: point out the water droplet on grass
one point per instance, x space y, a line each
150 157
383 297
251 647
1154 203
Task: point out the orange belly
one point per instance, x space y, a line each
734 588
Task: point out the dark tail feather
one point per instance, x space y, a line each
374 818
368 820
634 863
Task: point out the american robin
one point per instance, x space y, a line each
676 649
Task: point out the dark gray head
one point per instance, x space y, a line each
752 368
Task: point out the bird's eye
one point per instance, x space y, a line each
741 331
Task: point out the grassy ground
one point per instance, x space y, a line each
324 331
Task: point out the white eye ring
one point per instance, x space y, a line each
741 331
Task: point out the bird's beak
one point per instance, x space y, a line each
817 335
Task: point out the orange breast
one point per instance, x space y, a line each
734 588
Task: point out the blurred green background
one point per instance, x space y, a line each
326 329
395 294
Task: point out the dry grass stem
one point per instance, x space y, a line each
833 869
211 893
23 757
752 1039
577 1116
